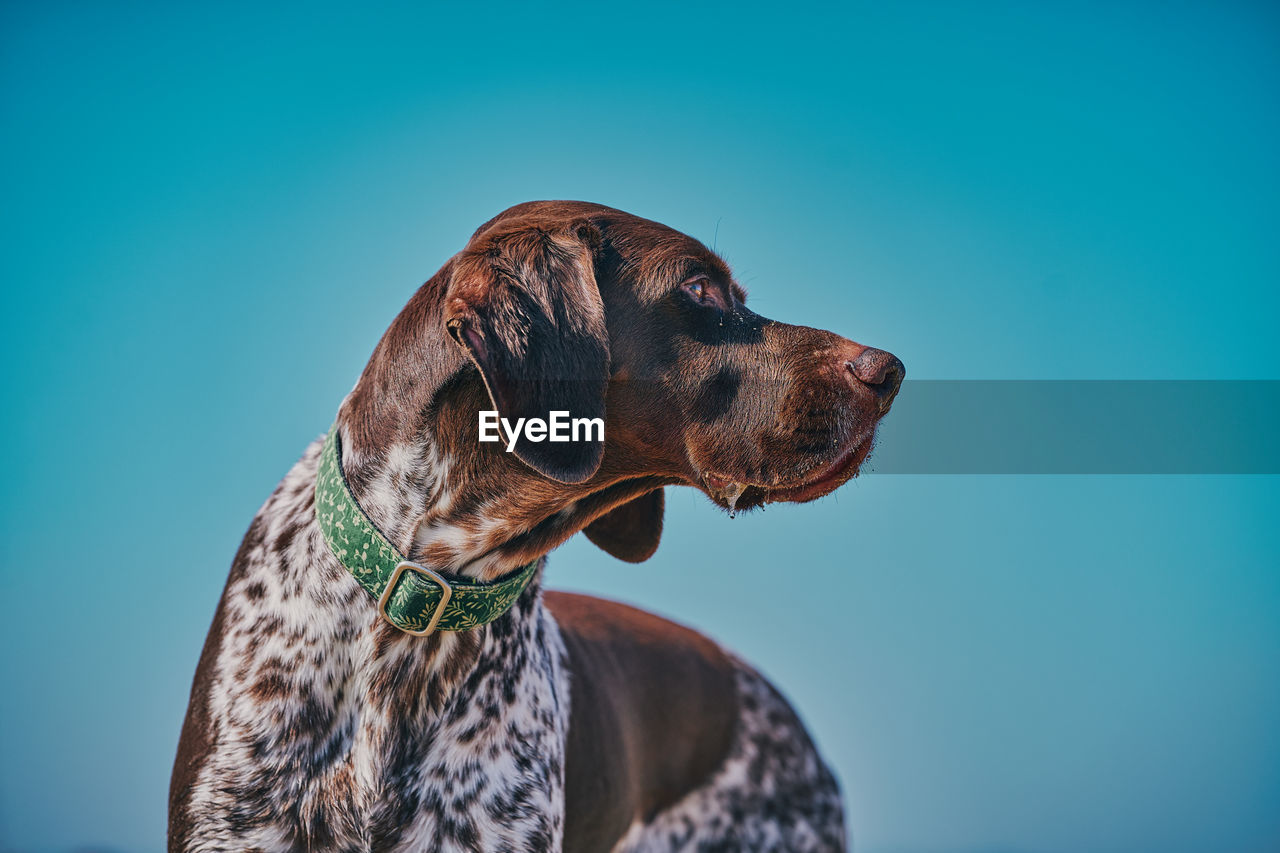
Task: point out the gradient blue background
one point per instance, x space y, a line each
213 211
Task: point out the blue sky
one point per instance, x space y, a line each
213 211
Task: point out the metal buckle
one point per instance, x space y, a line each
446 592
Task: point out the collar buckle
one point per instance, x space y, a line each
446 592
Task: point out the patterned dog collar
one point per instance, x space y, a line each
412 597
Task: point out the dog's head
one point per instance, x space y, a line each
578 308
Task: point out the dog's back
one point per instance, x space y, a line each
675 744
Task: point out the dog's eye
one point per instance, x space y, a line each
706 292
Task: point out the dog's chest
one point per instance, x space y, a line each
491 776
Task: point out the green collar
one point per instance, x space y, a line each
413 598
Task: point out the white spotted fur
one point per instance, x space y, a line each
326 636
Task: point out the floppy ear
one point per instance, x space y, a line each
524 304
631 531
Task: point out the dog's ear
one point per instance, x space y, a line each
631 531
523 303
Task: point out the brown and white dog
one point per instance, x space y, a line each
570 722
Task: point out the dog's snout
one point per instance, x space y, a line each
880 371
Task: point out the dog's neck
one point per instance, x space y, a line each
293 584
394 495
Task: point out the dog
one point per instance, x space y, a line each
494 716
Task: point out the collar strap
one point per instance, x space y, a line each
412 597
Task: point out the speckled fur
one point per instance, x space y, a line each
334 732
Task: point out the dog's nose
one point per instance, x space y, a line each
880 371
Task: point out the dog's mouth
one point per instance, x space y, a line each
736 495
